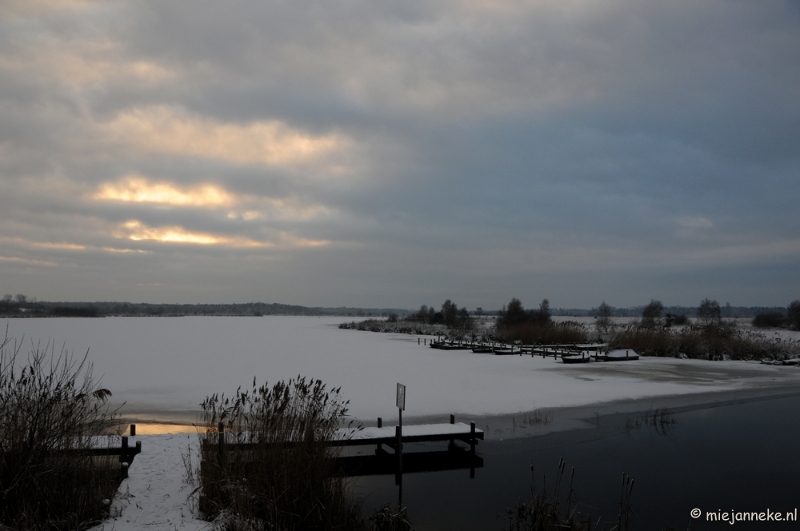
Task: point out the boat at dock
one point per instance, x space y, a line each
505 351
576 358
621 355
450 345
482 349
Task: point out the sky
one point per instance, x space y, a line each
393 154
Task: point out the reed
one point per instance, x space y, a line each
719 341
51 408
549 511
271 468
542 512
545 333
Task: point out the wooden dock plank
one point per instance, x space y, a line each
415 433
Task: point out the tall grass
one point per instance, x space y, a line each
546 333
548 511
50 410
720 341
283 478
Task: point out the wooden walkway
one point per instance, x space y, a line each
458 431
454 457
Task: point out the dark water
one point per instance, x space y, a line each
743 457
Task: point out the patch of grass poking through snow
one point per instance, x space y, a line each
273 469
51 410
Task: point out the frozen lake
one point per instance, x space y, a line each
164 367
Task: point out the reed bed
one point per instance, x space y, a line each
714 342
548 511
398 327
545 333
50 410
273 469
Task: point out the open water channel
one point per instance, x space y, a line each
732 458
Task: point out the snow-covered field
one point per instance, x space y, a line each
164 367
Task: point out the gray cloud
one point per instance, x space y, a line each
360 153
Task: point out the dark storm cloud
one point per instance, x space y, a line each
364 153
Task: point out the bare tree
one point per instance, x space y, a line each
651 315
709 312
603 319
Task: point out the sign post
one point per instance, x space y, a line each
401 405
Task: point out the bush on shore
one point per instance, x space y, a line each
50 410
720 341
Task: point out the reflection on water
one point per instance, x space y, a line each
736 457
161 429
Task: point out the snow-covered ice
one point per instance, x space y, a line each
164 367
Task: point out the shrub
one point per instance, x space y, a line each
680 320
713 342
283 478
769 320
50 410
793 315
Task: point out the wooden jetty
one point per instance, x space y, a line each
393 437
125 452
456 431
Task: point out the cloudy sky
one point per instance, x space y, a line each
397 153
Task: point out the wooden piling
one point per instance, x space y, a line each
472 449
398 435
133 430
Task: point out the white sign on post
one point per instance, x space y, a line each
401 396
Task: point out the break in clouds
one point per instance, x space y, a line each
394 154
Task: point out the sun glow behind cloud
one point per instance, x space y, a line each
137 189
137 231
170 131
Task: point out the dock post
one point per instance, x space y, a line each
452 445
133 430
123 458
398 435
380 446
472 450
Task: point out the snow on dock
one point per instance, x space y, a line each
411 434
155 496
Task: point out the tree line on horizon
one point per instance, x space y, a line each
450 314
